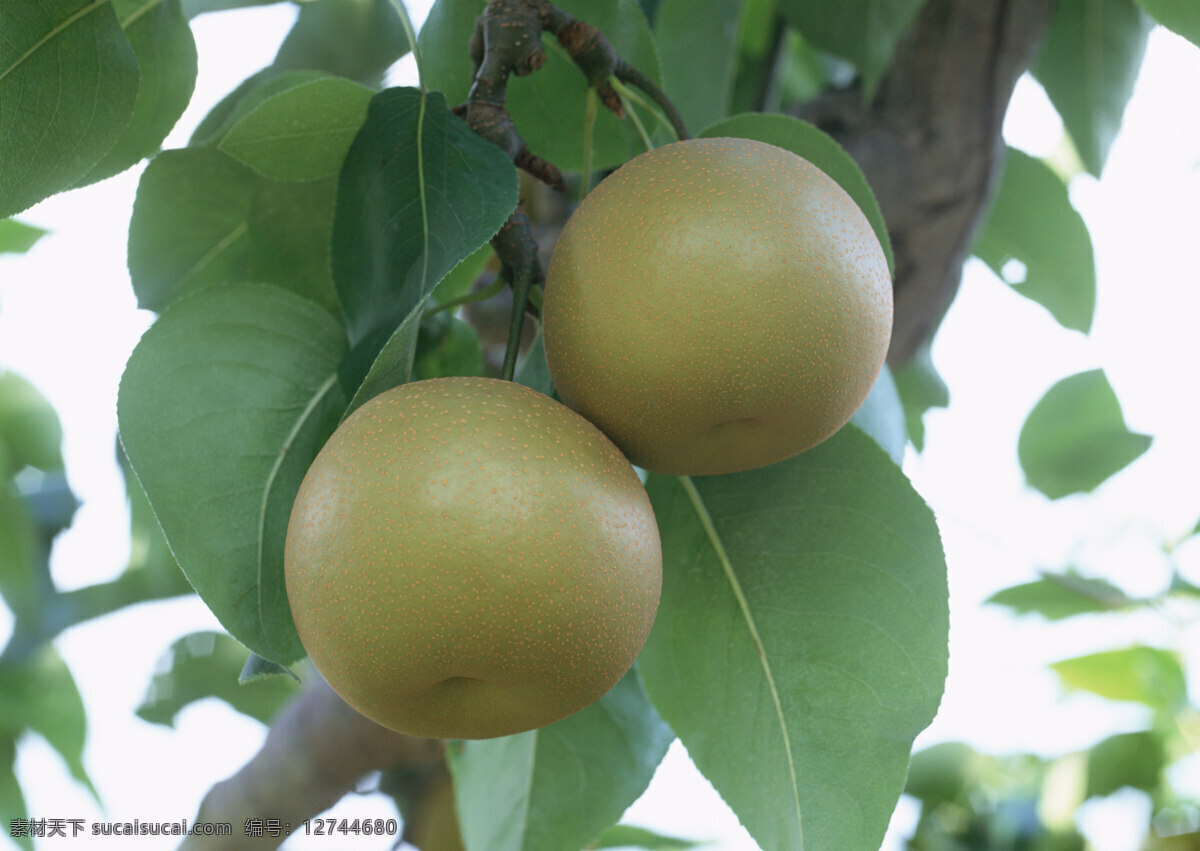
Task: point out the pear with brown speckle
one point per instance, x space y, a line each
716 305
468 558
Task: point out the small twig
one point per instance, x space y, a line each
626 73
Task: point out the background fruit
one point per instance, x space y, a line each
468 558
716 305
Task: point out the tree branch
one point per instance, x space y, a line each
930 143
316 751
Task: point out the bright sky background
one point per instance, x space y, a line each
68 322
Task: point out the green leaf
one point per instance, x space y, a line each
1062 595
39 694
289 228
17 237
560 786
921 388
391 367
1179 16
357 39
1075 437
189 224
801 641
1088 65
632 836
166 55
201 218
863 31
224 403
446 346
443 39
150 558
1139 674
459 281
882 416
302 133
418 193
1135 760
548 107
819 148
1033 222
685 30
12 801
68 82
30 432
250 93
208 664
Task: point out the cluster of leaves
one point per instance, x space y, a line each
972 800
296 250
38 694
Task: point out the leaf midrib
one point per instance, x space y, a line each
718 546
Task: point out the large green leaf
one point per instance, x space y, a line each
819 148
1033 223
549 107
1075 437
208 664
1140 674
418 193
288 229
166 55
39 694
201 218
189 224
68 82
17 237
801 641
1088 64
224 403
1180 16
1062 595
685 30
560 786
863 31
249 94
357 39
302 133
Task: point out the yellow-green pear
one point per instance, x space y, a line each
468 558
716 305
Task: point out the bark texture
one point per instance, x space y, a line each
930 142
